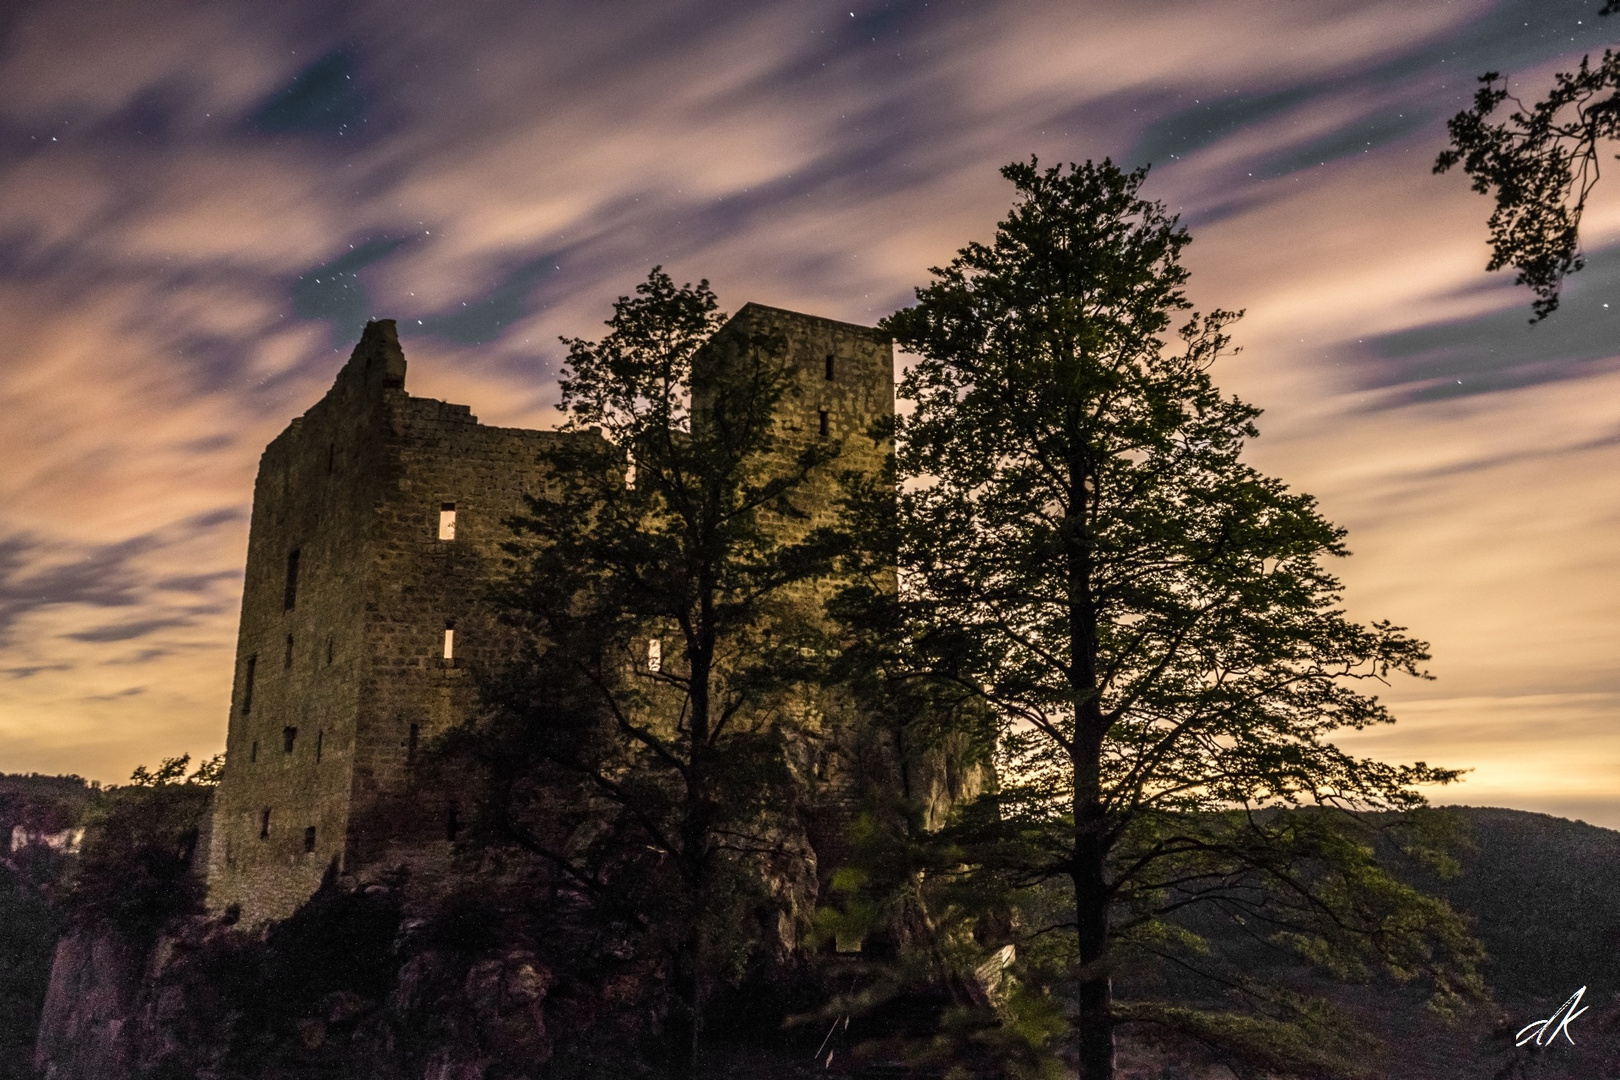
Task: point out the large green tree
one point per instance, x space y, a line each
656 604
1151 620
1539 163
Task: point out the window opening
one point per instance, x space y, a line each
655 654
287 663
264 824
328 652
320 742
823 416
309 839
450 641
247 684
829 367
410 744
452 824
447 521
253 754
331 457
289 735
289 599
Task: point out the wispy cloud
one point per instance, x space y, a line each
200 207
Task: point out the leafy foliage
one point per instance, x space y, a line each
1540 164
1149 619
134 872
173 771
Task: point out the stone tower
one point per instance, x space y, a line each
377 518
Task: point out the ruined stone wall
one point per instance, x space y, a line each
327 732
301 651
418 586
841 398
844 396
844 384
342 681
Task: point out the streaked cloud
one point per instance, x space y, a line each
200 207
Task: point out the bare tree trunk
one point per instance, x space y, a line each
1089 872
695 1051
697 825
692 960
686 1036
1095 1037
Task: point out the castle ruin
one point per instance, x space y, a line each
377 521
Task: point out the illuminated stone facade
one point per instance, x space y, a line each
377 517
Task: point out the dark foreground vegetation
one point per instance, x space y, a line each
353 987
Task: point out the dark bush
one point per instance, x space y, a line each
338 941
135 872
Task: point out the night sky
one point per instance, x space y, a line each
201 205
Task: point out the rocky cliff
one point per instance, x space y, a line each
89 1024
342 989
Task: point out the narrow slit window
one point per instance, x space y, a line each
829 367
452 823
328 652
655 654
331 454
253 752
289 735
289 598
320 744
247 684
264 824
309 839
410 744
287 663
447 521
823 422
450 641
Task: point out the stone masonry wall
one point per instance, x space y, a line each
842 393
301 656
418 586
342 682
327 737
